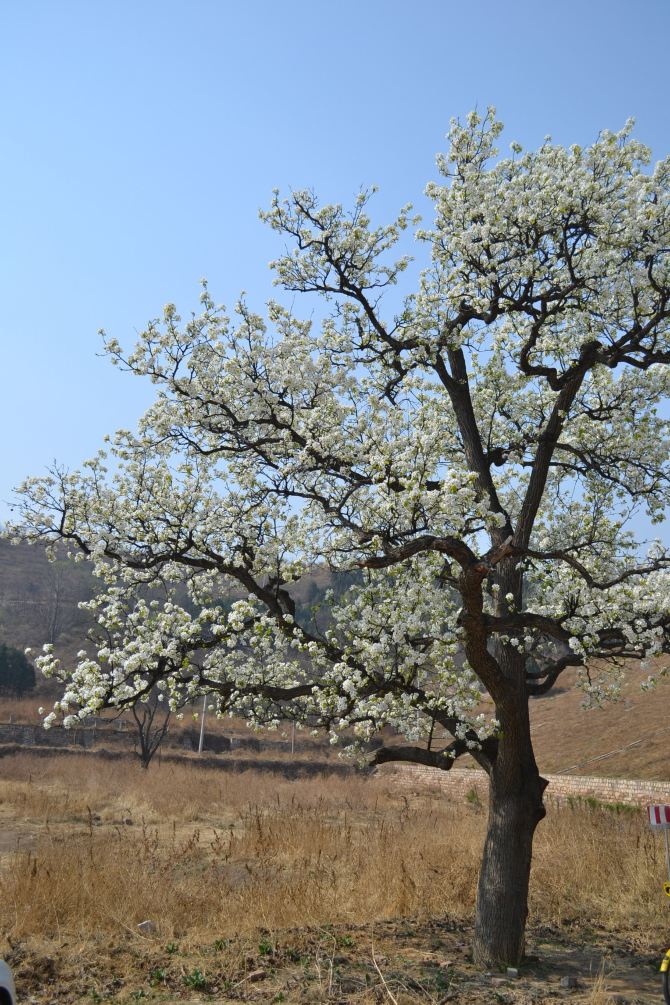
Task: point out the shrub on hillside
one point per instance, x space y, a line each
16 673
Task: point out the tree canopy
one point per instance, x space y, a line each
478 453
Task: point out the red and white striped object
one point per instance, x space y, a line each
659 815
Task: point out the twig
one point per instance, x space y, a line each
386 987
330 961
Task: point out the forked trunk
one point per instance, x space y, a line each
515 809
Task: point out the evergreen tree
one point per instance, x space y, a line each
16 673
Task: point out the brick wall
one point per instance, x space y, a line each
459 782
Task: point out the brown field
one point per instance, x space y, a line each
327 889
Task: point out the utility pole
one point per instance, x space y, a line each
202 723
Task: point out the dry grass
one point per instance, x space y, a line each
212 854
119 731
66 788
305 881
21 709
599 867
599 740
599 994
209 854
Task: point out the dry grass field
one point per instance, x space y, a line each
321 890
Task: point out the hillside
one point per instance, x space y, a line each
629 738
625 739
38 599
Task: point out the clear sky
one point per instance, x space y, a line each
141 137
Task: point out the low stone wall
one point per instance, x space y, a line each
234 765
123 733
460 783
37 736
609 790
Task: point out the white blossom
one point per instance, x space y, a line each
492 438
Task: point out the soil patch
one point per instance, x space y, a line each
406 961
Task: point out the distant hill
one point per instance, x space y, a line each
38 599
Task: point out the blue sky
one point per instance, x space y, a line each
142 136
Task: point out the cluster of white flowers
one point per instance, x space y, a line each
473 462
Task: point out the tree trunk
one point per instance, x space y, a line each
515 809
515 785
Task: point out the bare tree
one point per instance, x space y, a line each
152 719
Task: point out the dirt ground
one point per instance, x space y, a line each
398 961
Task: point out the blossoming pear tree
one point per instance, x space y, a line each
477 453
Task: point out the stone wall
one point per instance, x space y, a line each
461 783
37 736
122 733
285 769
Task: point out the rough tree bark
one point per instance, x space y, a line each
515 786
515 809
